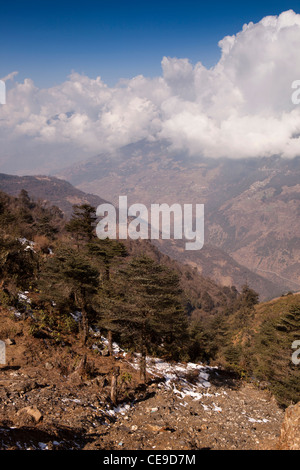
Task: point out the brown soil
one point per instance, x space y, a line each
48 402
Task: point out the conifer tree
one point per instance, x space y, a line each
145 310
18 267
69 278
106 251
82 223
273 355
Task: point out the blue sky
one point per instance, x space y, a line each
241 108
46 40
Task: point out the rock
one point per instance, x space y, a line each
152 410
264 385
9 342
32 412
155 428
24 386
290 430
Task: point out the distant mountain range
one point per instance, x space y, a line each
48 188
252 208
211 262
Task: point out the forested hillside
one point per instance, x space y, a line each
65 280
121 288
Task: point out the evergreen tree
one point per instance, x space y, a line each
248 298
106 251
203 342
26 206
69 279
82 223
272 355
18 267
145 310
25 199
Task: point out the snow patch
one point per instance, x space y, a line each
28 244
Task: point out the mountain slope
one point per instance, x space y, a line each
216 264
56 389
252 206
261 343
48 189
211 262
44 226
47 401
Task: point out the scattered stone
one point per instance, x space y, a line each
155 428
31 411
24 386
290 431
61 410
9 342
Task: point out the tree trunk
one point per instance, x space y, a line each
143 376
114 385
110 343
107 270
84 326
81 369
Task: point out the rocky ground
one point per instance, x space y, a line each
223 419
48 400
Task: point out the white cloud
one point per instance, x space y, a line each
242 107
10 76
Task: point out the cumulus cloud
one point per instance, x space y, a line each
239 108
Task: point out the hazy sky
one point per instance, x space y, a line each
213 79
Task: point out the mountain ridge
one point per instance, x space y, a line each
48 189
211 261
252 206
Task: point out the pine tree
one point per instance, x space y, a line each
26 206
82 223
203 342
106 251
248 297
68 278
25 199
273 355
144 308
18 267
